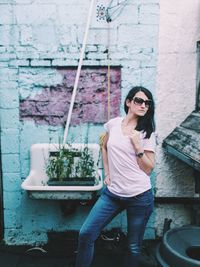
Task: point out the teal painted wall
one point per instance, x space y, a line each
45 34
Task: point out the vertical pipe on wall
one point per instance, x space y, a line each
78 72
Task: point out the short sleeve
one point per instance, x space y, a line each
108 125
150 143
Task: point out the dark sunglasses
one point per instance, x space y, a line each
139 101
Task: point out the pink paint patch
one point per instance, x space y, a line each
51 106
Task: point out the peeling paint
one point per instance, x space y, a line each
50 107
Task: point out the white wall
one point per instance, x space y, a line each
176 92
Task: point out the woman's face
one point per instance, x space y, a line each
139 105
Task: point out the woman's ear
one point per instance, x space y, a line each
128 103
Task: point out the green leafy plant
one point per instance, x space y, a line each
85 166
70 164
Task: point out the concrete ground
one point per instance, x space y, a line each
61 252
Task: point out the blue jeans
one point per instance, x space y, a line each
138 208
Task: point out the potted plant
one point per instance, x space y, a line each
71 166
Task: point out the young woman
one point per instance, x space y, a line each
128 157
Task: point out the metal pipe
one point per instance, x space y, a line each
78 72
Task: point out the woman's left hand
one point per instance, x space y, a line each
107 180
135 139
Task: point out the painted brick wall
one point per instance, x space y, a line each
37 37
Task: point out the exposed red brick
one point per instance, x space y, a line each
52 105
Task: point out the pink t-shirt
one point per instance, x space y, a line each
127 179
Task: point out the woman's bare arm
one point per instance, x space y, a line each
105 160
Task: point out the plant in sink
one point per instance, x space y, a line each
71 166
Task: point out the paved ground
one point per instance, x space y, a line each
61 253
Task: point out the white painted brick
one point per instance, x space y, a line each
9 35
10 163
113 62
45 35
146 1
100 37
149 62
24 54
71 3
9 98
41 76
96 56
12 181
9 118
74 33
102 48
63 34
91 48
68 17
123 56
149 14
133 64
19 2
10 141
143 36
51 50
72 56
94 62
6 14
4 64
7 1
20 62
8 84
60 62
34 14
148 76
129 49
10 74
130 77
42 63
2 49
26 35
4 33
74 49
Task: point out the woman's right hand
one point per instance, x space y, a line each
107 180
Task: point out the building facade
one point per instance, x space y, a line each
147 42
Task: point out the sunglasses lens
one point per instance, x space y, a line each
140 101
147 103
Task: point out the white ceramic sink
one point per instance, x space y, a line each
36 182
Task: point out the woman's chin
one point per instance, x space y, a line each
141 113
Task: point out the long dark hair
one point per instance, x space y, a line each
145 123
